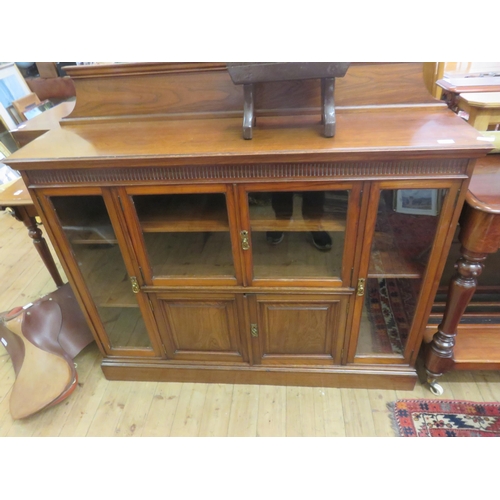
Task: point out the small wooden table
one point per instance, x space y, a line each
483 108
453 87
479 236
17 200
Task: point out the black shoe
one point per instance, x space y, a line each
321 240
274 237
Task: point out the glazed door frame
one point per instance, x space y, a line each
435 261
353 220
65 252
126 194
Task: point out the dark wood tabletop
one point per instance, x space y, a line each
470 84
484 188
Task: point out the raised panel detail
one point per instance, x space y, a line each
201 329
200 326
300 330
297 329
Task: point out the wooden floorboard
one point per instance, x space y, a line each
99 407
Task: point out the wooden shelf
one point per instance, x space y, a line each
296 257
387 262
327 223
481 347
190 254
182 213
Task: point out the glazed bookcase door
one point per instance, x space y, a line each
297 329
402 245
295 234
96 254
183 235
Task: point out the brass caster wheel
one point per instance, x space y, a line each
436 389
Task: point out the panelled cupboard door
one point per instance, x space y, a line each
297 329
299 234
88 229
201 326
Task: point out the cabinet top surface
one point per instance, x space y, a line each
362 134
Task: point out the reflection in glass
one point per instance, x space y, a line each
186 234
87 226
402 242
298 234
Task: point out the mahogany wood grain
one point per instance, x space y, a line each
299 330
382 134
169 89
176 128
203 328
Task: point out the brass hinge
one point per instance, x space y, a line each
254 330
245 245
360 291
135 284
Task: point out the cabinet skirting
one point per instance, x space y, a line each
391 378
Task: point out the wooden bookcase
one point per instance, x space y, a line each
160 213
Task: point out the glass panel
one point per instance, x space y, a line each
404 235
186 234
88 228
298 234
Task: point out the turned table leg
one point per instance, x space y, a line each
41 246
439 357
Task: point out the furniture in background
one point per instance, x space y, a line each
16 199
22 104
37 126
475 344
483 108
166 221
453 87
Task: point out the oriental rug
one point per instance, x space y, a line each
438 418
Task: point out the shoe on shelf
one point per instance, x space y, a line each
321 240
274 237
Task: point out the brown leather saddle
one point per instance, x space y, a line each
42 338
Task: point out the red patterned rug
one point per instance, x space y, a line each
438 418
